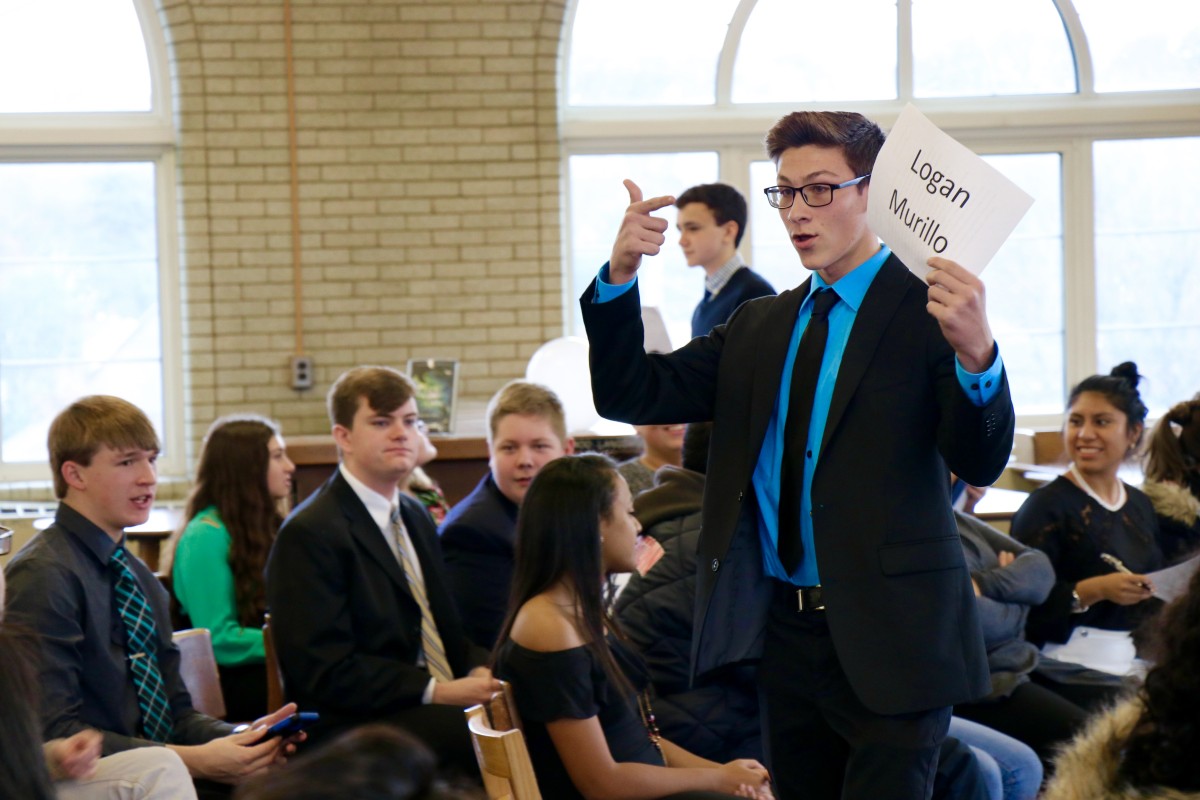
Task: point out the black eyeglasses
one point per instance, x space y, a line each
6 537
814 194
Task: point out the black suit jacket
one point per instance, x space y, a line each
346 628
478 544
900 606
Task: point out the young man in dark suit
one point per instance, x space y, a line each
829 550
362 620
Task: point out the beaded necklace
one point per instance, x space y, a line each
647 712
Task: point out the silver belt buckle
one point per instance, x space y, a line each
818 605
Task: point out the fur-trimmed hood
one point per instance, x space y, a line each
1173 501
1087 768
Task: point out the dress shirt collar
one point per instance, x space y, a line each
852 287
93 538
378 506
721 275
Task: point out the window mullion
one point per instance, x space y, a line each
1079 283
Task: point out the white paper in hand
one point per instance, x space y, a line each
931 196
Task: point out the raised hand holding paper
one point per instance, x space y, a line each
931 196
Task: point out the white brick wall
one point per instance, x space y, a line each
428 174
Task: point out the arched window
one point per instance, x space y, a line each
1091 110
88 267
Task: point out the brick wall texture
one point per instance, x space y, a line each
428 188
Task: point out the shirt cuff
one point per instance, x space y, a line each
427 697
606 291
982 387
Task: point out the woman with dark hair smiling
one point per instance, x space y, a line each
579 687
235 509
1100 533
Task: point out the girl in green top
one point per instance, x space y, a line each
236 507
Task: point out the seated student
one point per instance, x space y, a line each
70 768
717 715
1089 515
365 628
526 429
1145 747
580 688
711 222
1025 701
243 480
1173 479
662 445
107 659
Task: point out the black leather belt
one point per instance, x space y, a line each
808 598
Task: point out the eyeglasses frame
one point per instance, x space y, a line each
833 187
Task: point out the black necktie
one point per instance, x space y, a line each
805 371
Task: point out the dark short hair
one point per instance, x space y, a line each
858 137
726 203
1119 387
695 446
90 423
384 388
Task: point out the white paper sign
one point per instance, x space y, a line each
931 196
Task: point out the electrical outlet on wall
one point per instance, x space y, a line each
302 372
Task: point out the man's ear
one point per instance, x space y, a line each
72 473
731 231
341 436
569 446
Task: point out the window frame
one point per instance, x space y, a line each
148 136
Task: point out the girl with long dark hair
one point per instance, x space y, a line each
236 507
580 688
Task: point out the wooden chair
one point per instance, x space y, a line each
502 756
198 668
274 673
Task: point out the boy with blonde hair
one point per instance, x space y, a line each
527 429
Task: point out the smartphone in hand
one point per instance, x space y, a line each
290 726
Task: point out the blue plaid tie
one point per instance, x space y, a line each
141 648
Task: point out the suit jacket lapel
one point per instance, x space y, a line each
873 318
364 530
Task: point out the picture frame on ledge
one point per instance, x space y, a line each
437 392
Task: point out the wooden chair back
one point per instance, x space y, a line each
503 758
275 691
198 668
502 710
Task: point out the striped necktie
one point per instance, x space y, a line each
431 640
141 649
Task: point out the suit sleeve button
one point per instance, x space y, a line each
715 564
